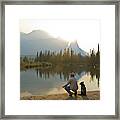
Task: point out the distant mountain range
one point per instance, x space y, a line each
40 40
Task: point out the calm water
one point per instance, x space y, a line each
37 82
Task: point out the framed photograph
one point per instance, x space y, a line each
60 59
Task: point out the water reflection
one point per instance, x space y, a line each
94 72
50 80
45 74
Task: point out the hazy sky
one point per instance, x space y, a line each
86 32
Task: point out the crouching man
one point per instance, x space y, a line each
71 87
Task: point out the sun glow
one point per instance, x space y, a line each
86 32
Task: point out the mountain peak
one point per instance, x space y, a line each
38 40
39 34
75 47
74 41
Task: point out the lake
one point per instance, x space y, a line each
44 82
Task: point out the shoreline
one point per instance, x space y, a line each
91 95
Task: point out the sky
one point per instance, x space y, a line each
86 32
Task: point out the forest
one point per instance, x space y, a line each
66 57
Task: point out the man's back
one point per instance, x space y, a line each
73 84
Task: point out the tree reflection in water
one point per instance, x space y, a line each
63 72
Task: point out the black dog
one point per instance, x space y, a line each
83 89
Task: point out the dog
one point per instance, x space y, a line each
83 89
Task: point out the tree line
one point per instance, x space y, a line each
65 57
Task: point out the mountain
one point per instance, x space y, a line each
40 40
75 47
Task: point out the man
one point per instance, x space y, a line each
71 86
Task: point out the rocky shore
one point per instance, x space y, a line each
91 95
